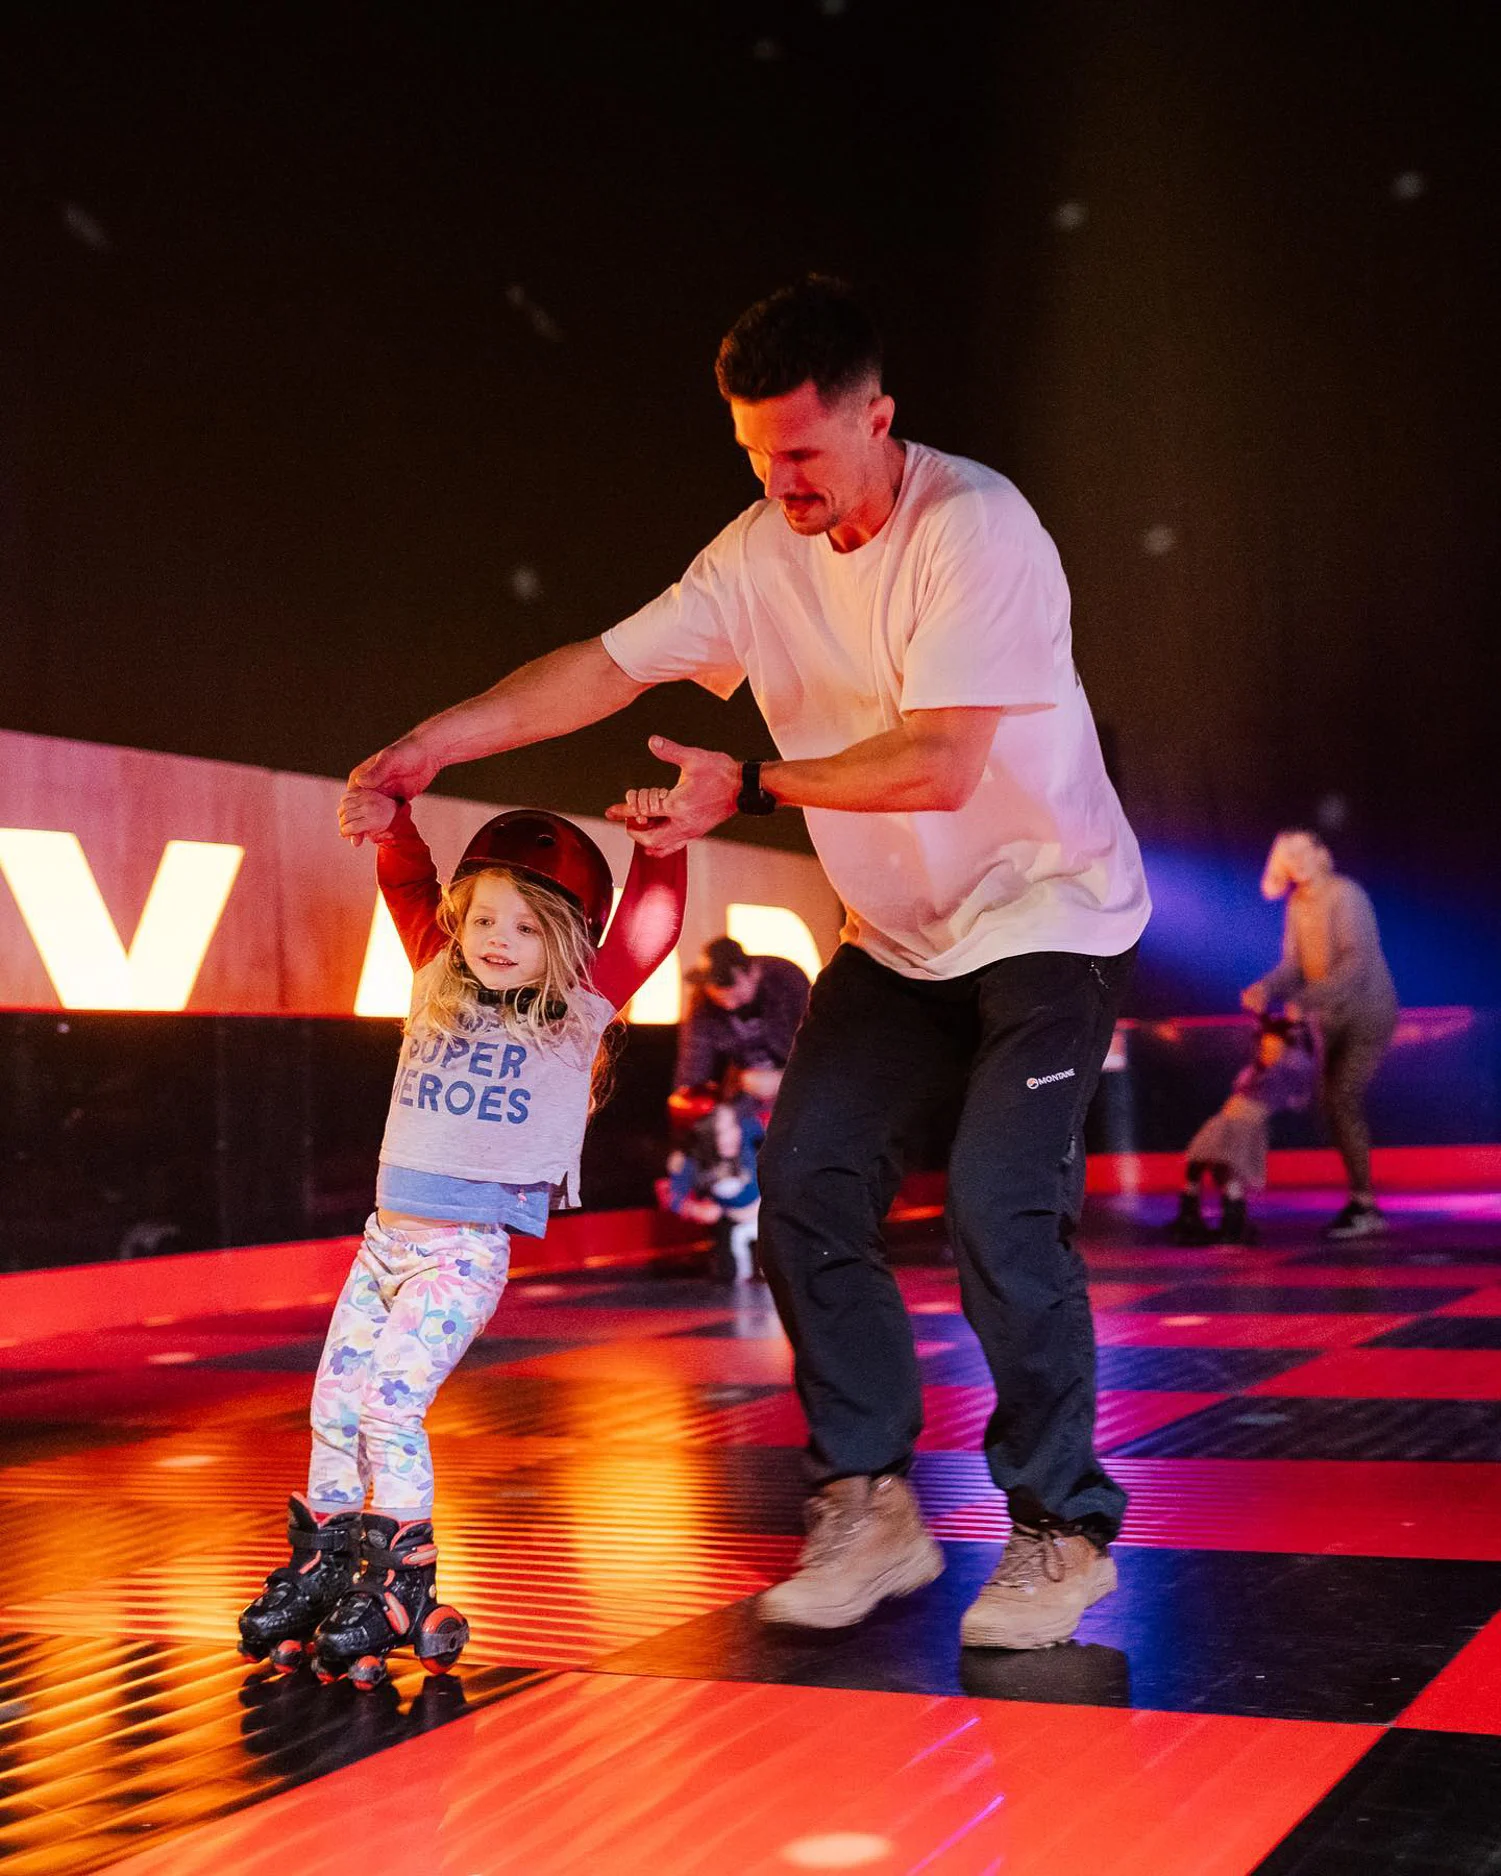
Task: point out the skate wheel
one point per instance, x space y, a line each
369 1671
286 1656
325 1673
441 1639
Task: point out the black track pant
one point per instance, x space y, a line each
1022 1040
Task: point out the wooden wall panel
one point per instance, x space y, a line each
293 933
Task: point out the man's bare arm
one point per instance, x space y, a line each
931 760
563 690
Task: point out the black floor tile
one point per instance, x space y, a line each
958 1364
1195 1370
1321 1638
1283 1427
1364 1254
1287 1299
1418 1804
1443 1332
643 1292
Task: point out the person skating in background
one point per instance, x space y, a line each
512 998
1333 970
1230 1148
737 1033
711 1180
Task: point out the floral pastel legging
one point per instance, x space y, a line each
414 1300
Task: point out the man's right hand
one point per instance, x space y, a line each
1254 999
404 769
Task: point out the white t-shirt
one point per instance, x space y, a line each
959 600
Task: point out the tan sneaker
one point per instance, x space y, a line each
1039 1590
866 1541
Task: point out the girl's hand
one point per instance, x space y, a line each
643 810
705 794
365 814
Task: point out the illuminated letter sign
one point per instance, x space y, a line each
60 901
386 977
772 931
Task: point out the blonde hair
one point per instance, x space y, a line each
451 1001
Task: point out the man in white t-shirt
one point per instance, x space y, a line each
903 621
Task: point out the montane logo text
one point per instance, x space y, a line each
1041 1081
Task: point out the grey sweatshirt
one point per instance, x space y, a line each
1332 962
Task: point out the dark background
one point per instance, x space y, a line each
352 355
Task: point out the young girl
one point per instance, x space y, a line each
712 1180
512 996
1231 1146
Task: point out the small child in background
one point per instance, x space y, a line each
516 985
712 1181
1231 1146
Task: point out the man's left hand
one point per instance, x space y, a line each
703 796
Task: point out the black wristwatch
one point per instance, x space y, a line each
753 798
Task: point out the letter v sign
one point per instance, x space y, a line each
60 901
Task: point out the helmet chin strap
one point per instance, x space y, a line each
521 999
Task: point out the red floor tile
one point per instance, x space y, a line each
1136 1329
558 1595
682 1358
1480 1303
1108 1295
643 1777
1394 1374
1346 1508
120 1350
1360 1276
1466 1696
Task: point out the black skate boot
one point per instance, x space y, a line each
392 1603
298 1595
1189 1226
1235 1223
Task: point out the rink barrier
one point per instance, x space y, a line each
88 1297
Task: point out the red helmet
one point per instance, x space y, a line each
551 850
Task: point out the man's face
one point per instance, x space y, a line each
1304 859
819 461
736 993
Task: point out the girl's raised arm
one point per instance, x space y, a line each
645 926
409 885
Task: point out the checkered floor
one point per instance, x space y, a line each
1301 1671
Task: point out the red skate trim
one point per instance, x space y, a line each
369 1671
396 1613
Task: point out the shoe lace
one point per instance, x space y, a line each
1029 1555
831 1528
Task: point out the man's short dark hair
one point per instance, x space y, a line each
817 330
722 962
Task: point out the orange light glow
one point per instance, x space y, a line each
772 931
